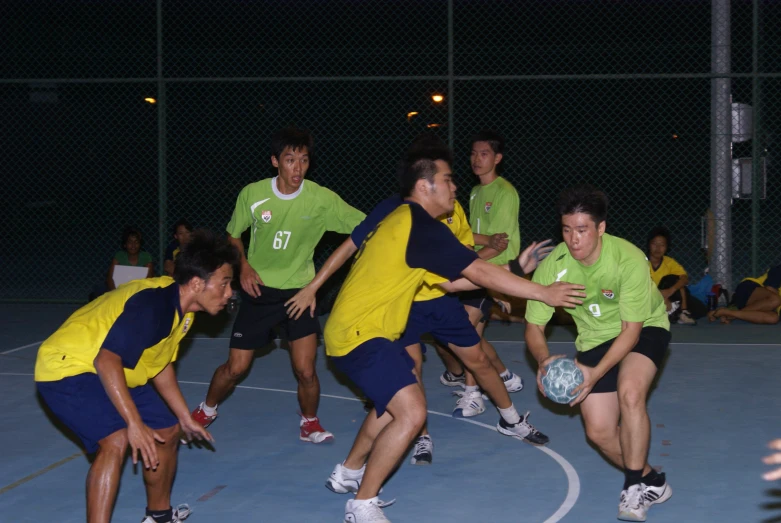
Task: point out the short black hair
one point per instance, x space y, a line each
129 231
418 162
291 137
205 253
586 199
494 140
182 222
660 230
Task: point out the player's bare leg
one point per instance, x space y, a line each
159 481
103 476
228 375
423 451
303 353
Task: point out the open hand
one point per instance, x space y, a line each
563 294
303 299
250 280
532 255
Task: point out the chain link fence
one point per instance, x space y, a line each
143 112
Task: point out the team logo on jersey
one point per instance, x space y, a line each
186 325
266 216
488 206
450 220
607 293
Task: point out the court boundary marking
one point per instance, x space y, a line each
573 480
695 343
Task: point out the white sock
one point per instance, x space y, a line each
353 474
510 415
209 411
471 388
365 501
506 374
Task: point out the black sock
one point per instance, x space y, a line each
161 516
457 375
633 477
653 479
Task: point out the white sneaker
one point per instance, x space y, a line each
685 318
653 495
423 452
522 430
632 505
367 511
339 482
181 512
449 379
513 383
469 404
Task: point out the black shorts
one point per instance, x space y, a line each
743 292
653 343
257 317
479 299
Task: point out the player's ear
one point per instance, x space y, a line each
601 227
498 158
274 161
197 284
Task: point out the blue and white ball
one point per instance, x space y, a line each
562 377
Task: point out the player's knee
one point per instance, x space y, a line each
237 367
306 375
477 360
169 435
776 299
601 436
115 444
631 399
415 417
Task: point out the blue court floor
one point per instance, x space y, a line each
716 405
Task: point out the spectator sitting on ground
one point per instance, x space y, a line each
756 300
182 230
130 255
671 279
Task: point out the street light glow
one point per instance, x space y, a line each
437 98
150 100
411 114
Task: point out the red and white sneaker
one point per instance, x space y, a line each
311 430
201 417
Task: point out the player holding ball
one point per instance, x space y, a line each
623 336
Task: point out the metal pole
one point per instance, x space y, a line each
721 143
161 142
450 71
756 144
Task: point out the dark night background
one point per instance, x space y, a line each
80 147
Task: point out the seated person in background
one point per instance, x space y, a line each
182 230
131 255
671 279
756 300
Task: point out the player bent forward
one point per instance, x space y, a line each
369 315
623 336
106 373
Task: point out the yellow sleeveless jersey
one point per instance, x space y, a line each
392 262
141 321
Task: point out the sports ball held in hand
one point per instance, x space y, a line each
562 377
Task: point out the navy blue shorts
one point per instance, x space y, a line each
743 292
478 299
82 404
444 318
380 368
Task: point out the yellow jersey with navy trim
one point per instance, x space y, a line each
458 223
141 321
667 267
390 265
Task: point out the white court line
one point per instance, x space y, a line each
573 342
573 481
22 347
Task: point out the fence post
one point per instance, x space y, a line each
161 145
721 143
756 142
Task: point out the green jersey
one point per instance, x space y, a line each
286 228
493 208
618 288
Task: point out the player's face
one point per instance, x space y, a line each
658 247
443 189
133 245
182 235
215 293
484 159
291 166
582 236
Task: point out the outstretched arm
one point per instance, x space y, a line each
305 298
